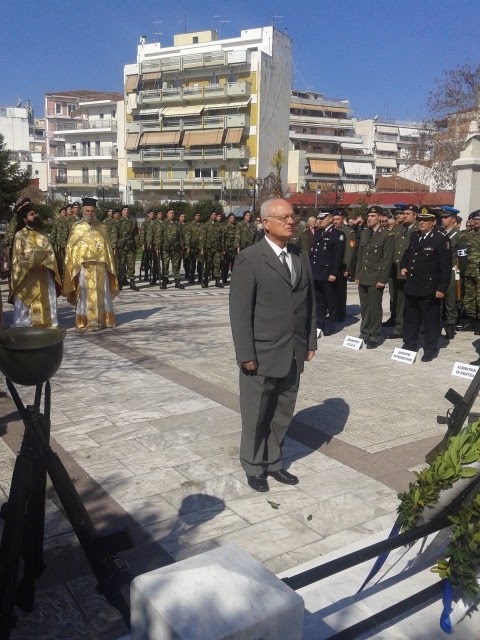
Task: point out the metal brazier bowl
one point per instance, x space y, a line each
31 355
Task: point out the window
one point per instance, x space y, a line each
58 108
114 114
85 175
232 77
99 175
195 40
205 172
214 79
101 116
114 172
71 108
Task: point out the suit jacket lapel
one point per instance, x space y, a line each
273 261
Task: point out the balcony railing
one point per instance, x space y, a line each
87 180
178 63
102 152
82 125
201 153
181 184
205 92
239 120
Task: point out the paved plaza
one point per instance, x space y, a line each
146 419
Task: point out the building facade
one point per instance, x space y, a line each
204 116
326 153
81 143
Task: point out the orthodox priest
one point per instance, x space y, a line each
35 282
90 280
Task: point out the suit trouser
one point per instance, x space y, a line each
399 298
371 312
326 303
266 405
450 301
418 310
341 298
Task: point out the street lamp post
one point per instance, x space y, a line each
256 184
103 188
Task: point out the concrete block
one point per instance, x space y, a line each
221 594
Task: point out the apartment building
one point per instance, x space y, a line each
204 116
389 142
23 137
326 154
81 143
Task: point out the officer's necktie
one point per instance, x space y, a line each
283 258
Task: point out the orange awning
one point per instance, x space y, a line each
131 142
329 167
160 137
202 138
131 83
233 136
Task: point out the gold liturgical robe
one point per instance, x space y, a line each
32 258
89 279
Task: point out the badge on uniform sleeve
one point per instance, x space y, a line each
352 243
341 237
447 244
462 253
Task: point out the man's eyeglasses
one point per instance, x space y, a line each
285 218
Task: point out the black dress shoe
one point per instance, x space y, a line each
407 347
393 336
388 323
428 357
373 345
258 483
476 362
283 476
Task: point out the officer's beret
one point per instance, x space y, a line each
426 213
322 214
446 211
75 204
411 207
399 205
89 202
474 215
375 209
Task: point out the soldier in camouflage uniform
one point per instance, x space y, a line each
298 229
146 242
127 248
229 231
168 242
245 232
156 233
75 215
182 223
468 252
59 237
192 258
10 232
212 248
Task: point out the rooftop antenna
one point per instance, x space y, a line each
157 33
276 19
220 22
184 22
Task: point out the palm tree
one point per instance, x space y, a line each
277 161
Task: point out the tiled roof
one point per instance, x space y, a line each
399 183
435 198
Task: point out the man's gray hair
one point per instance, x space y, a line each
267 206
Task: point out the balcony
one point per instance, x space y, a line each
180 154
85 181
207 92
179 184
101 153
237 120
106 124
193 61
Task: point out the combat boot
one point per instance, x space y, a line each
191 280
450 331
179 285
133 286
164 283
218 284
204 283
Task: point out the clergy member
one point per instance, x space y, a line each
90 281
35 282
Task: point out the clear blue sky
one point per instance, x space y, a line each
383 56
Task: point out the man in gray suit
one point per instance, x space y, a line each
272 315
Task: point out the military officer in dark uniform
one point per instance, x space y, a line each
427 266
375 255
346 266
450 229
326 258
397 281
